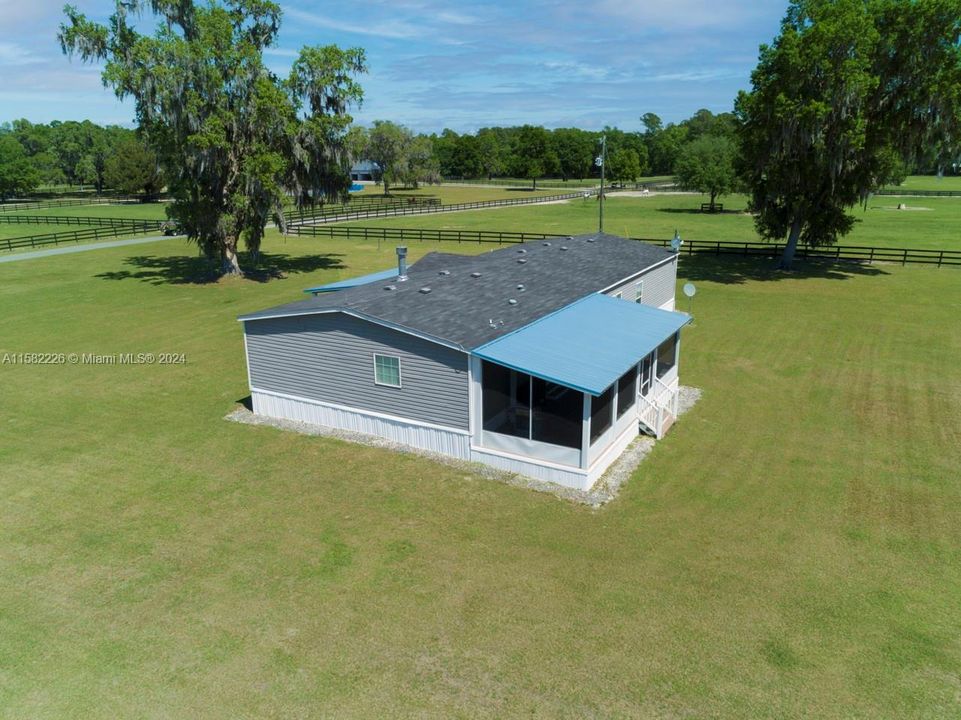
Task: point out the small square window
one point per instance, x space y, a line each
639 292
387 370
619 295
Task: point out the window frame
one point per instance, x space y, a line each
400 373
639 292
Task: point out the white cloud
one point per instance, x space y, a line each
281 52
396 30
685 14
13 54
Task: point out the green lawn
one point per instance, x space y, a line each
792 549
930 182
658 216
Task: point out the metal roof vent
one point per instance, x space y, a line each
521 288
547 244
563 247
522 260
570 237
511 301
390 287
401 263
522 251
475 274
424 290
591 239
444 272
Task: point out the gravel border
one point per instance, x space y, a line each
604 491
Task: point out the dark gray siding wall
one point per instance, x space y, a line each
330 358
659 285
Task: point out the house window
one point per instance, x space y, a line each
626 391
639 292
666 356
601 415
619 295
387 370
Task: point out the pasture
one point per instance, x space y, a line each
657 216
791 549
930 182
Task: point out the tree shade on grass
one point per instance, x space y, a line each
792 549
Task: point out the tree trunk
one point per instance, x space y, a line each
713 198
231 263
534 187
788 257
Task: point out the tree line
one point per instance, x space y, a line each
848 96
81 154
532 152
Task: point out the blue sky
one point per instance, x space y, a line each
464 65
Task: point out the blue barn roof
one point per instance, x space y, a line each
586 345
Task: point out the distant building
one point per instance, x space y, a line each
363 170
545 359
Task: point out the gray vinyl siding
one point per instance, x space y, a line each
330 358
659 285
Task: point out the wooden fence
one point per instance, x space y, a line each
855 253
79 220
424 209
70 202
76 236
905 192
380 202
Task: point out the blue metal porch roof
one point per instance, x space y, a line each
587 345
353 282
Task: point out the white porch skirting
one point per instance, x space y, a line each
435 438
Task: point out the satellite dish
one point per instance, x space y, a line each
676 243
598 161
690 290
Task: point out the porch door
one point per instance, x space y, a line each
647 375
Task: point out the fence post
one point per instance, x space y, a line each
940 258
905 260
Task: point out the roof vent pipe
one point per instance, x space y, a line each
401 263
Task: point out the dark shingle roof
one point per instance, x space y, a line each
468 311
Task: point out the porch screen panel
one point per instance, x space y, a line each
557 414
602 413
506 400
626 391
666 356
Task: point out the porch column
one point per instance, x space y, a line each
586 431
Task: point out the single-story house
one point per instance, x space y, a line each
545 359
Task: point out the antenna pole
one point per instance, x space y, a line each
600 224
